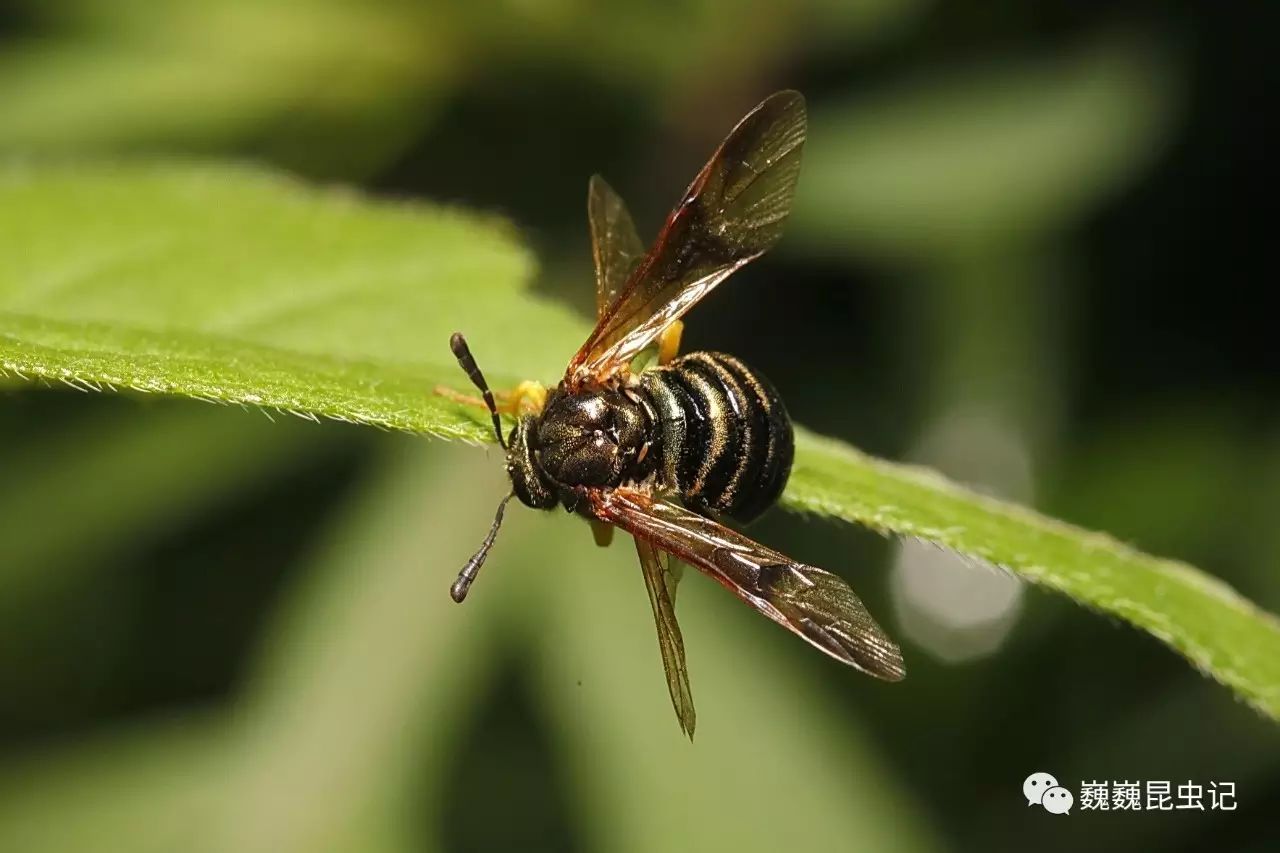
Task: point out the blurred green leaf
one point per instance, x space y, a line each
113 479
1157 468
775 764
340 88
369 671
941 164
153 786
326 84
237 288
363 682
636 45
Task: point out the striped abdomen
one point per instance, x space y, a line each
725 441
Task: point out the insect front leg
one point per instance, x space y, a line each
528 392
669 342
528 397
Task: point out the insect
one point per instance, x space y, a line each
668 451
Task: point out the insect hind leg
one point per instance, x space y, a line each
602 532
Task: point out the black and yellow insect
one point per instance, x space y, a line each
665 452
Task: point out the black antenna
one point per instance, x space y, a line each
472 568
458 344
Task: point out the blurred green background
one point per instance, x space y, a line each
1024 249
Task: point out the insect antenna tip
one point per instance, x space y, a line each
458 591
467 362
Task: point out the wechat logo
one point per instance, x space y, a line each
1041 789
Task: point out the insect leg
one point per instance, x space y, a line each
459 397
603 533
527 396
534 393
669 342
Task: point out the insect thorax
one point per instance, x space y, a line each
597 438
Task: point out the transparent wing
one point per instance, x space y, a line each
614 242
816 605
661 586
731 214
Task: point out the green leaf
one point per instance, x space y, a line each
1224 635
944 163
139 787
326 84
178 463
236 287
369 670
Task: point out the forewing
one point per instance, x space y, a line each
614 242
816 605
732 213
661 587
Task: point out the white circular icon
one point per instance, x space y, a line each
1057 800
1035 786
